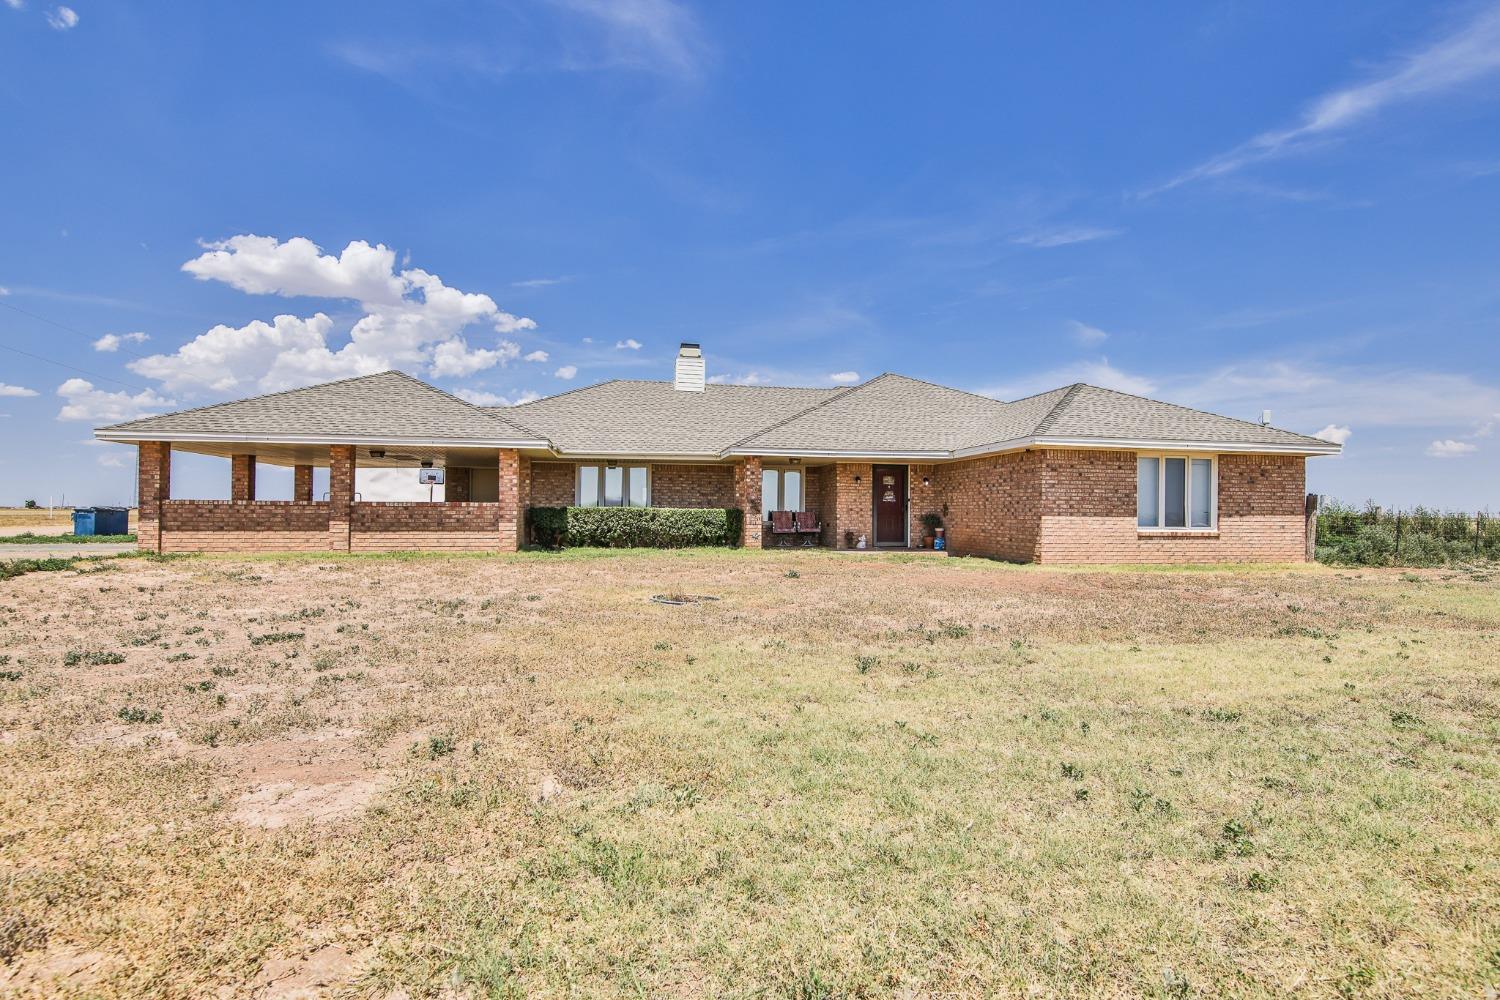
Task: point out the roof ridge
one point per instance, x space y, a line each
1052 414
950 388
457 399
263 395
565 392
802 412
1194 409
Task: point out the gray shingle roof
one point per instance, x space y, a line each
1087 411
387 406
888 415
653 418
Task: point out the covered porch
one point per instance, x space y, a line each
485 490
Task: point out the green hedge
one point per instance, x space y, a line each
635 527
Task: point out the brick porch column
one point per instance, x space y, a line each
523 498
302 482
747 499
340 495
242 477
508 492
153 485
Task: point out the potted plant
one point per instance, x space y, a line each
932 524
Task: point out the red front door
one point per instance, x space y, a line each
890 504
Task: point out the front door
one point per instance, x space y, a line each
890 504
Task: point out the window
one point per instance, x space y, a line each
780 489
1175 492
614 486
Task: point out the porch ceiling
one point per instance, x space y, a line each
397 456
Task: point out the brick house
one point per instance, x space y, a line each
1079 474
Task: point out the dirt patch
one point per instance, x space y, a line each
46 973
315 974
321 777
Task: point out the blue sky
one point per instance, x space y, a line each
1234 206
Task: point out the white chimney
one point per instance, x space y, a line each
1265 418
689 377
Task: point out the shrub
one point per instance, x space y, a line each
1373 536
635 527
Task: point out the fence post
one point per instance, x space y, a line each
1310 513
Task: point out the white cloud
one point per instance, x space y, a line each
1449 448
1463 57
4 291
410 319
15 390
15 4
749 378
479 397
112 461
1335 434
652 36
536 356
81 401
62 18
1086 335
630 344
539 282
111 341
454 357
1061 236
566 371
844 378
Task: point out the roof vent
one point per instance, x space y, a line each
1265 418
689 376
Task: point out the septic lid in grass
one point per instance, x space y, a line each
681 598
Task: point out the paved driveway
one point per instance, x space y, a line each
64 549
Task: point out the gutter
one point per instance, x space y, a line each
133 437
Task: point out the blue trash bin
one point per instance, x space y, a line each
101 521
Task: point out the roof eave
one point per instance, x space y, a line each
1151 444
838 453
138 434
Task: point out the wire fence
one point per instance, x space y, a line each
1378 536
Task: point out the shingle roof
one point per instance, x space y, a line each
1087 411
386 406
653 418
888 415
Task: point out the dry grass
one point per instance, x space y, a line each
58 521
515 776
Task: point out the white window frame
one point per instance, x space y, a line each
780 498
1187 491
599 468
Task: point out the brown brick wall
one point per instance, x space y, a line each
1088 512
994 505
507 535
244 526
747 498
552 484
340 495
302 482
848 503
153 485
242 477
924 499
693 486
393 526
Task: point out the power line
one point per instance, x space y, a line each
74 368
63 326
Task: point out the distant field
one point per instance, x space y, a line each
848 776
17 520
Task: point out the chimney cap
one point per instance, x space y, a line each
689 349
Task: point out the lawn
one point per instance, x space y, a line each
849 776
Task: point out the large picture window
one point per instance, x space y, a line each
780 489
1175 492
614 486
